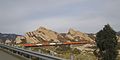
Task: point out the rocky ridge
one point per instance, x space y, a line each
45 35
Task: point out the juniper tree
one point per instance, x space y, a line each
106 41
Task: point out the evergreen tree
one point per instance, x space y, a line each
106 41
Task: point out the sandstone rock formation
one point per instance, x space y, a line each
77 36
20 39
41 35
45 35
8 42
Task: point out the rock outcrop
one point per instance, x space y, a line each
77 36
20 39
41 35
45 35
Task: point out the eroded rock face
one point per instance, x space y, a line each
118 38
45 35
20 39
77 36
41 35
8 41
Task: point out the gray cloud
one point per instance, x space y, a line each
60 15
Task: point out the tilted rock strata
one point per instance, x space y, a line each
45 35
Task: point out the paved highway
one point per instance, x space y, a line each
6 56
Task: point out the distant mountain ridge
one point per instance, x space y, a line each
118 33
4 37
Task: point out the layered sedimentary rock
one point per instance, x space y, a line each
77 35
45 35
20 39
41 35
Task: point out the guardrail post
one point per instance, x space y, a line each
30 57
71 53
30 48
39 51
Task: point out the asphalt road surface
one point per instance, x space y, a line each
6 56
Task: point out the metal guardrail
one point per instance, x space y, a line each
31 53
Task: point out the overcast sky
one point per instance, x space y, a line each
20 16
